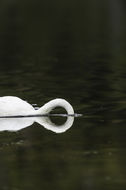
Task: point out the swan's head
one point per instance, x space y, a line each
48 107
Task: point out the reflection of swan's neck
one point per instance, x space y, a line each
48 107
48 124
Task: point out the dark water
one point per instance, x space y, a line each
74 50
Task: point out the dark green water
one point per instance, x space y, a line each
74 50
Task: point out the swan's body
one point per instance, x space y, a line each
11 106
14 106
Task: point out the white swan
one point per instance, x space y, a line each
14 106
16 124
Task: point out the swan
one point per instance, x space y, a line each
11 106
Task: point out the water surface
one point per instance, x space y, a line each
73 50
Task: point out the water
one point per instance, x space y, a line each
73 50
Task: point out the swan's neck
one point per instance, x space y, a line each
48 107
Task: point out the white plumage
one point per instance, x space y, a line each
14 106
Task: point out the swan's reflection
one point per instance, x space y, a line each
15 124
